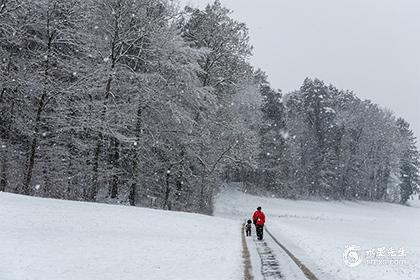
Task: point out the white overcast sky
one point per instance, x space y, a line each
369 46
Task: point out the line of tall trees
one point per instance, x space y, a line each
325 142
122 101
141 103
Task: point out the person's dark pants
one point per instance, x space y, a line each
260 231
248 232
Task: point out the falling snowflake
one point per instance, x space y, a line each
329 110
284 134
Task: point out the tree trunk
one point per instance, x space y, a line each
32 153
166 203
4 168
135 164
6 151
115 161
7 130
95 180
133 194
99 144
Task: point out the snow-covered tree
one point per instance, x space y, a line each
136 102
273 157
224 65
409 162
315 136
10 34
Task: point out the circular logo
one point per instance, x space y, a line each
352 256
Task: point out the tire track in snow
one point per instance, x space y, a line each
270 267
302 267
246 257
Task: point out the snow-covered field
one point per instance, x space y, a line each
45 239
318 233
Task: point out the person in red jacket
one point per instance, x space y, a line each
259 221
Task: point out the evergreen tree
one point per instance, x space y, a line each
409 162
319 140
273 149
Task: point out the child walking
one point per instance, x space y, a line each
248 227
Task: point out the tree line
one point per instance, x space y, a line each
324 142
121 101
142 103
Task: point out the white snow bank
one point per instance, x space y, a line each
45 239
318 233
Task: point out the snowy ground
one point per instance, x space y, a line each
45 239
318 233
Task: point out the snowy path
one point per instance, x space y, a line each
308 273
318 233
277 262
270 267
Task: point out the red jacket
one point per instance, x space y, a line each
259 217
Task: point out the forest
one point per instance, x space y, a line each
142 102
